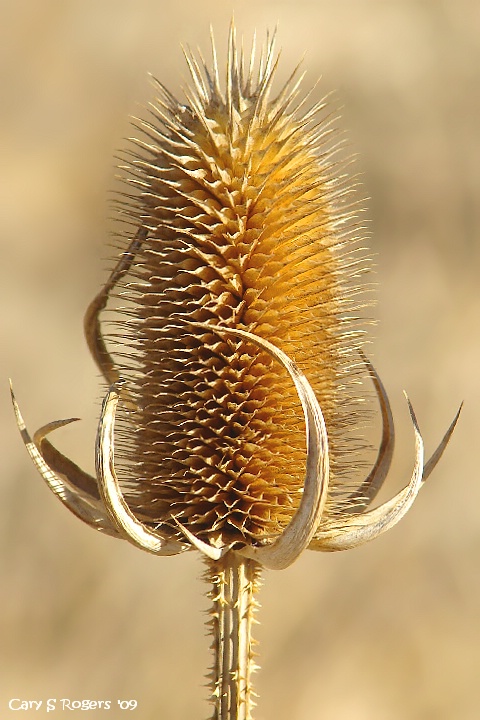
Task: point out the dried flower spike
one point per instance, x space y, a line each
234 358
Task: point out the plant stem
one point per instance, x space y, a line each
234 581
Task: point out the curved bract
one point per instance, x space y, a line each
127 525
101 504
63 477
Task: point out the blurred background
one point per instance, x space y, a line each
390 630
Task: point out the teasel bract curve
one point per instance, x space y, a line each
234 359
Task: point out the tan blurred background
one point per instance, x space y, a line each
386 632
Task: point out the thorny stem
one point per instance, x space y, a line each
234 581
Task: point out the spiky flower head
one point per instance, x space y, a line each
234 357
244 220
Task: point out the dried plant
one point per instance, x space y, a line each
236 356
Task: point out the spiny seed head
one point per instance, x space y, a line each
235 356
248 225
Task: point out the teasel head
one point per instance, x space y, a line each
234 356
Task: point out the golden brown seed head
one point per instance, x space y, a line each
247 226
236 346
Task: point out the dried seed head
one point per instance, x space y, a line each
247 225
236 344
